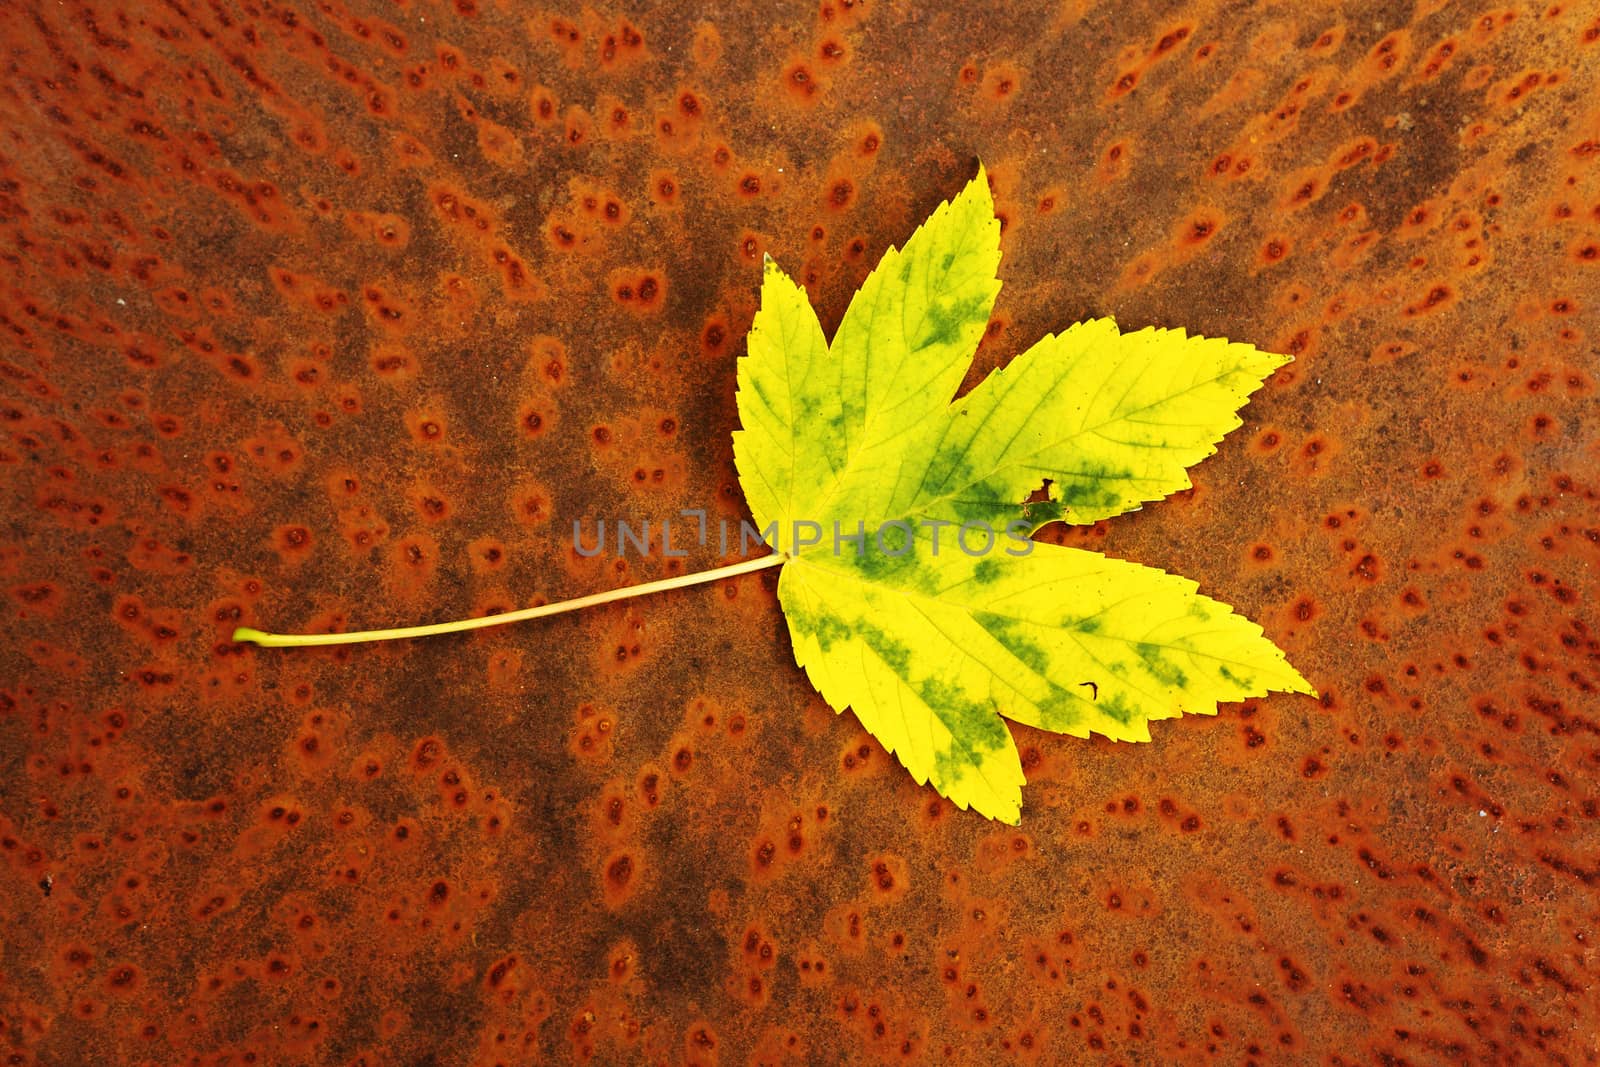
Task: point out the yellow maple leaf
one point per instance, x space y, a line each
912 592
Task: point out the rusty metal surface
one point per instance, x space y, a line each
341 312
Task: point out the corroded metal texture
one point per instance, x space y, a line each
338 313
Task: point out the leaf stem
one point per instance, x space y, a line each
733 570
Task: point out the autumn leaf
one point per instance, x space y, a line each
856 461
912 592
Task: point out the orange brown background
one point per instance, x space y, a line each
338 313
